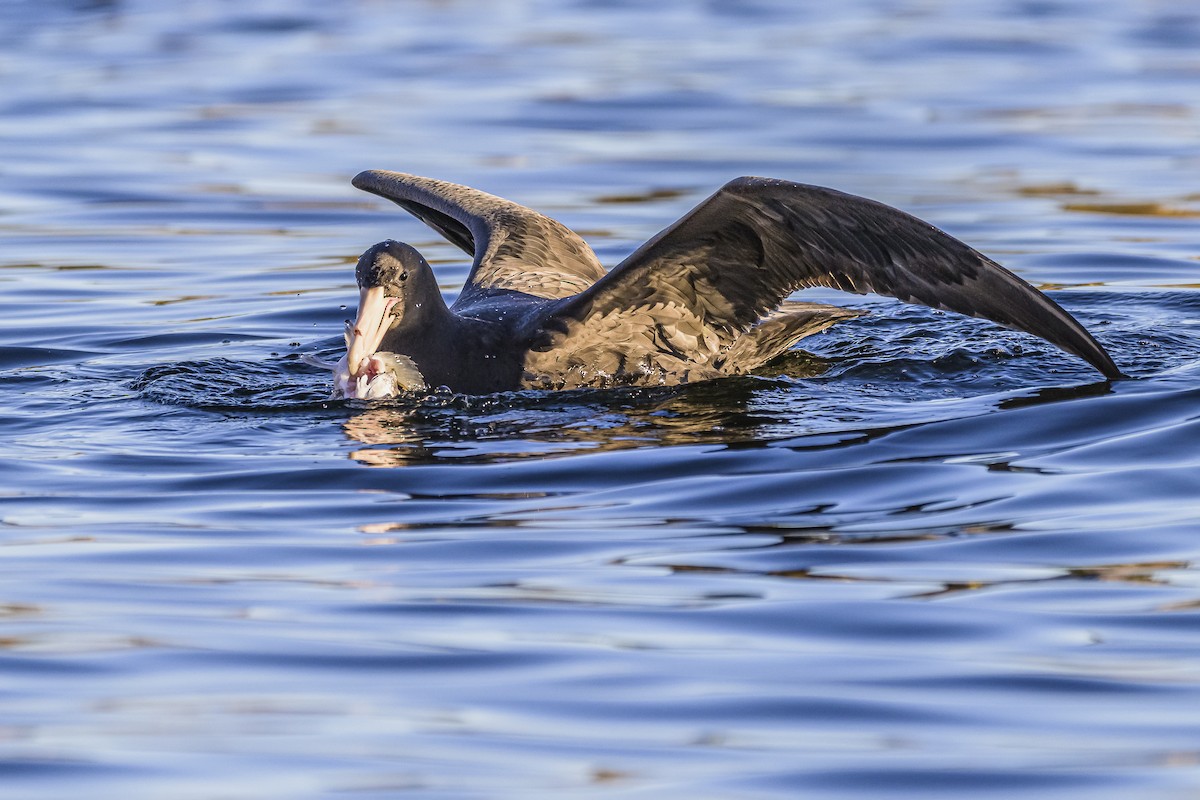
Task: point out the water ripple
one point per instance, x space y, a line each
920 556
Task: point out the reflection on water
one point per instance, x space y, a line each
922 556
1150 209
541 424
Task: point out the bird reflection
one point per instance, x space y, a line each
798 394
452 428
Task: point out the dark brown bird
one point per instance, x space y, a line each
702 299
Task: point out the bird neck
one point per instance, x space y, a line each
423 303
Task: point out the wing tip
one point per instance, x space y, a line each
1093 353
383 181
1109 369
368 179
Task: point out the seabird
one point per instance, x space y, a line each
705 298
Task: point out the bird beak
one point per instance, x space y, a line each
366 334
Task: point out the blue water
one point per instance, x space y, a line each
921 557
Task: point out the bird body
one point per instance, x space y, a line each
706 297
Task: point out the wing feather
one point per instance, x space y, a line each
514 248
741 252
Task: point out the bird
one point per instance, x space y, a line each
706 297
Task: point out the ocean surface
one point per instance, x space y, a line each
922 556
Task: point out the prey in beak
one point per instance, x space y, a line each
380 375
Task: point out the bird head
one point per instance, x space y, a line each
395 284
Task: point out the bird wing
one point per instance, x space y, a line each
739 253
515 248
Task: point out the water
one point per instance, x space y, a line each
921 557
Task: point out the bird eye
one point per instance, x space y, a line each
403 276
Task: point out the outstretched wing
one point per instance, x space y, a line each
742 251
515 248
